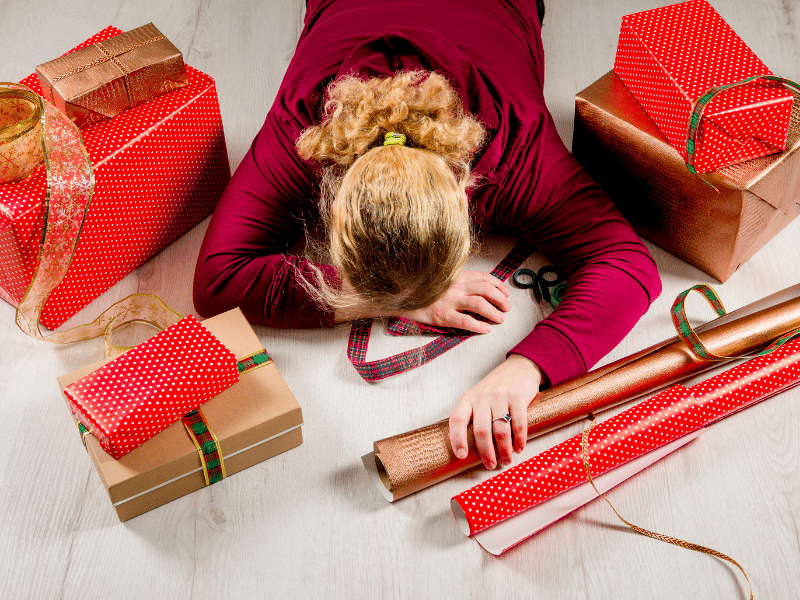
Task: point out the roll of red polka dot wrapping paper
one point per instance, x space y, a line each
515 504
160 168
145 390
668 57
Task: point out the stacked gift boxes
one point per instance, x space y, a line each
254 419
197 402
159 168
636 148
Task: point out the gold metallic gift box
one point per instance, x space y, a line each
254 419
106 78
716 231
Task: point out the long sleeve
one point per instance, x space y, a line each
244 260
555 205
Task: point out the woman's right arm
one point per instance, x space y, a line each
244 260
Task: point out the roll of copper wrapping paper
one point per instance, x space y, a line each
409 462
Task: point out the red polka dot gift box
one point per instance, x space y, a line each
159 169
716 229
670 57
250 421
127 401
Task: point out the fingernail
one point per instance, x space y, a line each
461 453
489 465
506 461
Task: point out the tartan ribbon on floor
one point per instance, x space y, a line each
410 359
207 446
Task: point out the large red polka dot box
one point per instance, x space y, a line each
159 168
672 56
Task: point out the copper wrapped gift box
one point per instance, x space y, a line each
716 231
253 420
110 76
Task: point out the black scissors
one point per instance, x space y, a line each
549 284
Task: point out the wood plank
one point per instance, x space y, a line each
308 523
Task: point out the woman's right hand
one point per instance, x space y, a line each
475 292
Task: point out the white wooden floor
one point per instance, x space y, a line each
309 524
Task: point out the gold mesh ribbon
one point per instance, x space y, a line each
70 184
656 536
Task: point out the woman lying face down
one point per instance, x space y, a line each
405 129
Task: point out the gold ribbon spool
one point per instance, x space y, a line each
20 132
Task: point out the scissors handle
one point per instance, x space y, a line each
549 284
526 279
550 279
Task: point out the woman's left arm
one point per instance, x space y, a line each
553 203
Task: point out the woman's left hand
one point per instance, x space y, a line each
508 389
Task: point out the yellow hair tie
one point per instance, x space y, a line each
393 138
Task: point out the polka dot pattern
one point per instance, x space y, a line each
132 398
644 427
668 57
630 434
160 168
749 382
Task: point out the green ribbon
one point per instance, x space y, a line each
703 101
691 339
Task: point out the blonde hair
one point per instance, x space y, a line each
398 226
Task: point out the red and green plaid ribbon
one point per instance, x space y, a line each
410 359
688 335
204 439
253 361
207 446
703 101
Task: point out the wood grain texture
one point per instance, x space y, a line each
308 523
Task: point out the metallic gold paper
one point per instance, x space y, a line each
415 460
716 231
104 79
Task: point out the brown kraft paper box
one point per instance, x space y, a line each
254 419
624 151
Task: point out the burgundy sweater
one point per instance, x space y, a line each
491 52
